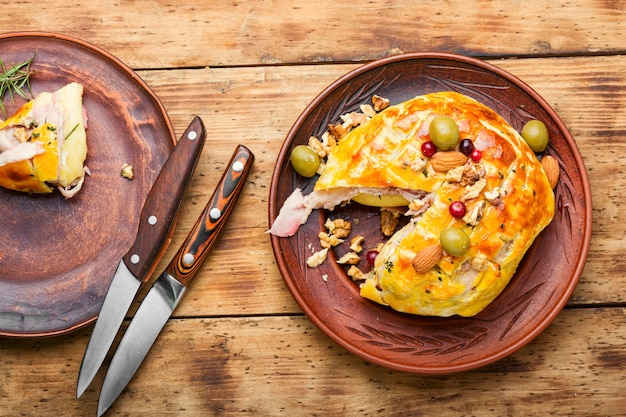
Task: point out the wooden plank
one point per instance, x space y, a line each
274 366
162 34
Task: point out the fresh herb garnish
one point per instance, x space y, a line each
71 131
13 80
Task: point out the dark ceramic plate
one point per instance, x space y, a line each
544 280
57 256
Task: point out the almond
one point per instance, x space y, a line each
445 161
426 258
551 167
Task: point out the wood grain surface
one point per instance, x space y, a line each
239 344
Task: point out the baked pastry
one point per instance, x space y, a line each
44 145
491 191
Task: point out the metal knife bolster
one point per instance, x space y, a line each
163 201
169 289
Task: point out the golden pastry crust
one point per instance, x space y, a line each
508 197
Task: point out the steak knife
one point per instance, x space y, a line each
155 224
169 288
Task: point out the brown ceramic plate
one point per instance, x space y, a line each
57 256
543 282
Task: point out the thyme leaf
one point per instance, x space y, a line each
13 79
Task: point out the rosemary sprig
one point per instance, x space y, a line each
13 80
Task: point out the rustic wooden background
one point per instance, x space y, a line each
239 344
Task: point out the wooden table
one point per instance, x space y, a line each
239 344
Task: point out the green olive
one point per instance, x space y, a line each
444 132
454 241
305 160
535 133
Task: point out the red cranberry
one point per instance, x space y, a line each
466 147
428 149
371 257
476 155
457 209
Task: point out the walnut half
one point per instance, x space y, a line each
388 221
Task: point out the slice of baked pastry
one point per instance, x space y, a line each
44 145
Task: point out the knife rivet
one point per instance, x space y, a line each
215 213
134 258
152 220
188 259
192 135
237 166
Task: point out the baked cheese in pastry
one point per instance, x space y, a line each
44 145
507 198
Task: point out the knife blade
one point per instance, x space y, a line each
167 291
153 236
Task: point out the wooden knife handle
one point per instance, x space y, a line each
161 206
204 234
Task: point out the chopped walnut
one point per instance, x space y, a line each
328 141
127 171
329 225
473 191
354 119
471 174
379 102
415 162
356 243
328 240
474 214
388 221
455 174
337 131
416 204
317 258
355 273
341 228
349 258
337 230
479 262
317 146
350 120
367 110
324 146
494 196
